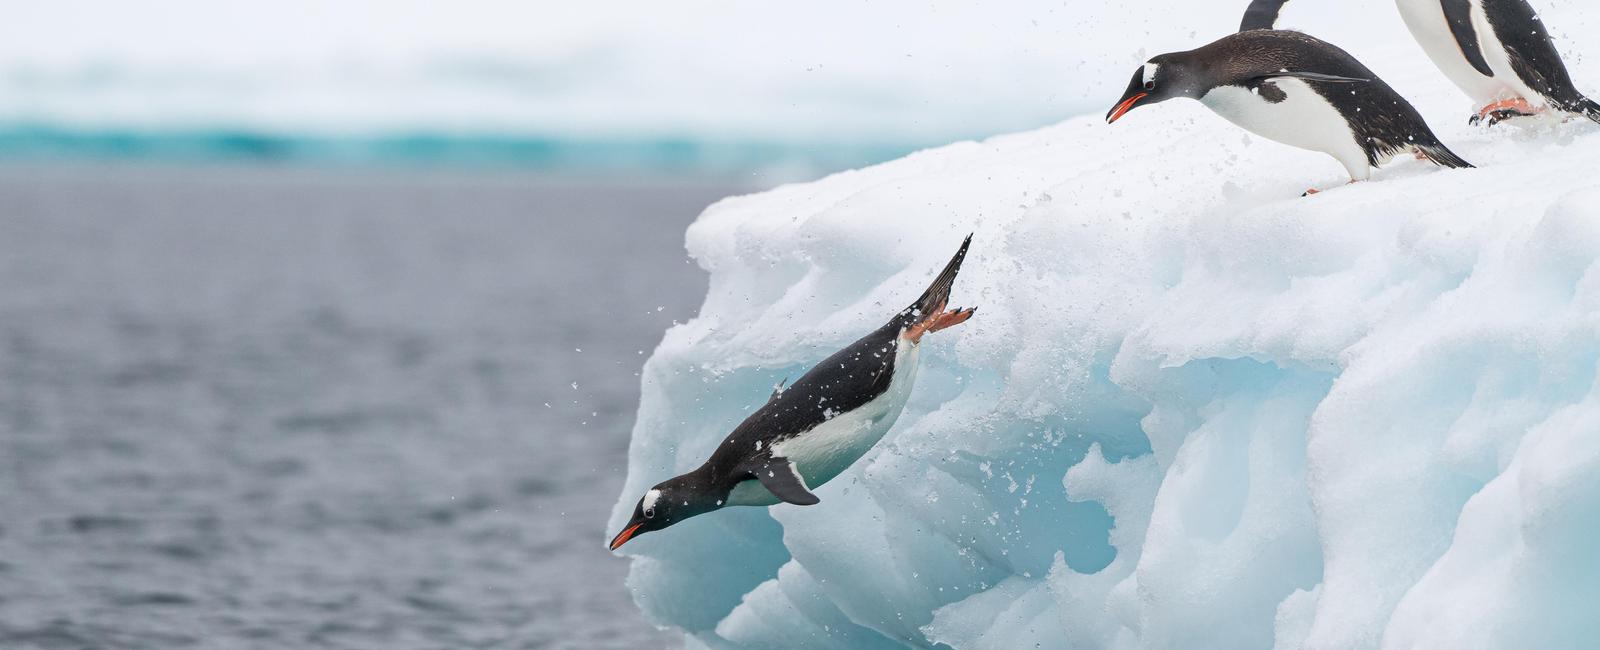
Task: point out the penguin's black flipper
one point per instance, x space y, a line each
780 478
1459 14
1262 14
1313 76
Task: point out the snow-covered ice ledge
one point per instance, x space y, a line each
1194 410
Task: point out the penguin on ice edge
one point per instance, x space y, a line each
813 430
1497 51
1295 89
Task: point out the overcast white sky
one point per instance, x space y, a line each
163 31
920 66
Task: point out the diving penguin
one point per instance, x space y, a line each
1295 89
808 433
1499 53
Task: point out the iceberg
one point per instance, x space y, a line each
1194 410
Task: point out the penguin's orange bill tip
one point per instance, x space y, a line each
1123 108
625 535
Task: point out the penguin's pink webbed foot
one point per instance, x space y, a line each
1314 191
1503 110
952 318
941 319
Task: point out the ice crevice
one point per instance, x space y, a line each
1194 410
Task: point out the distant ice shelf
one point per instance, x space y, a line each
1194 410
778 91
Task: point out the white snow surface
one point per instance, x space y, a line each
1194 410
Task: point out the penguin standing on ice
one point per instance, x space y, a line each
813 430
1499 53
1295 89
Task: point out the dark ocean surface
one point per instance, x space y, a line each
264 408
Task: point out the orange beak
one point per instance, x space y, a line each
624 536
1123 108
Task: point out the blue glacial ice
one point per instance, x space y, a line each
1194 410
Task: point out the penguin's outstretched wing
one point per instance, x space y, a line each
1262 14
1458 13
1311 76
1262 84
781 478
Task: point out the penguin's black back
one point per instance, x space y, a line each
1383 122
843 382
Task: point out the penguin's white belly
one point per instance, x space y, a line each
828 449
1426 20
1304 119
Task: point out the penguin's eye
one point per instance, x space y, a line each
649 513
1150 85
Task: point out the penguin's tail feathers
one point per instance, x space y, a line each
1442 156
1588 108
934 300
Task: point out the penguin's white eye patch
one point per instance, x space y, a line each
649 503
1150 70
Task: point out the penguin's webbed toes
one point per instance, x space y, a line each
1502 115
952 318
1501 111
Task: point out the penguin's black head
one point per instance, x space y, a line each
1159 80
668 503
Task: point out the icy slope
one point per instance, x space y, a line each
1194 410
